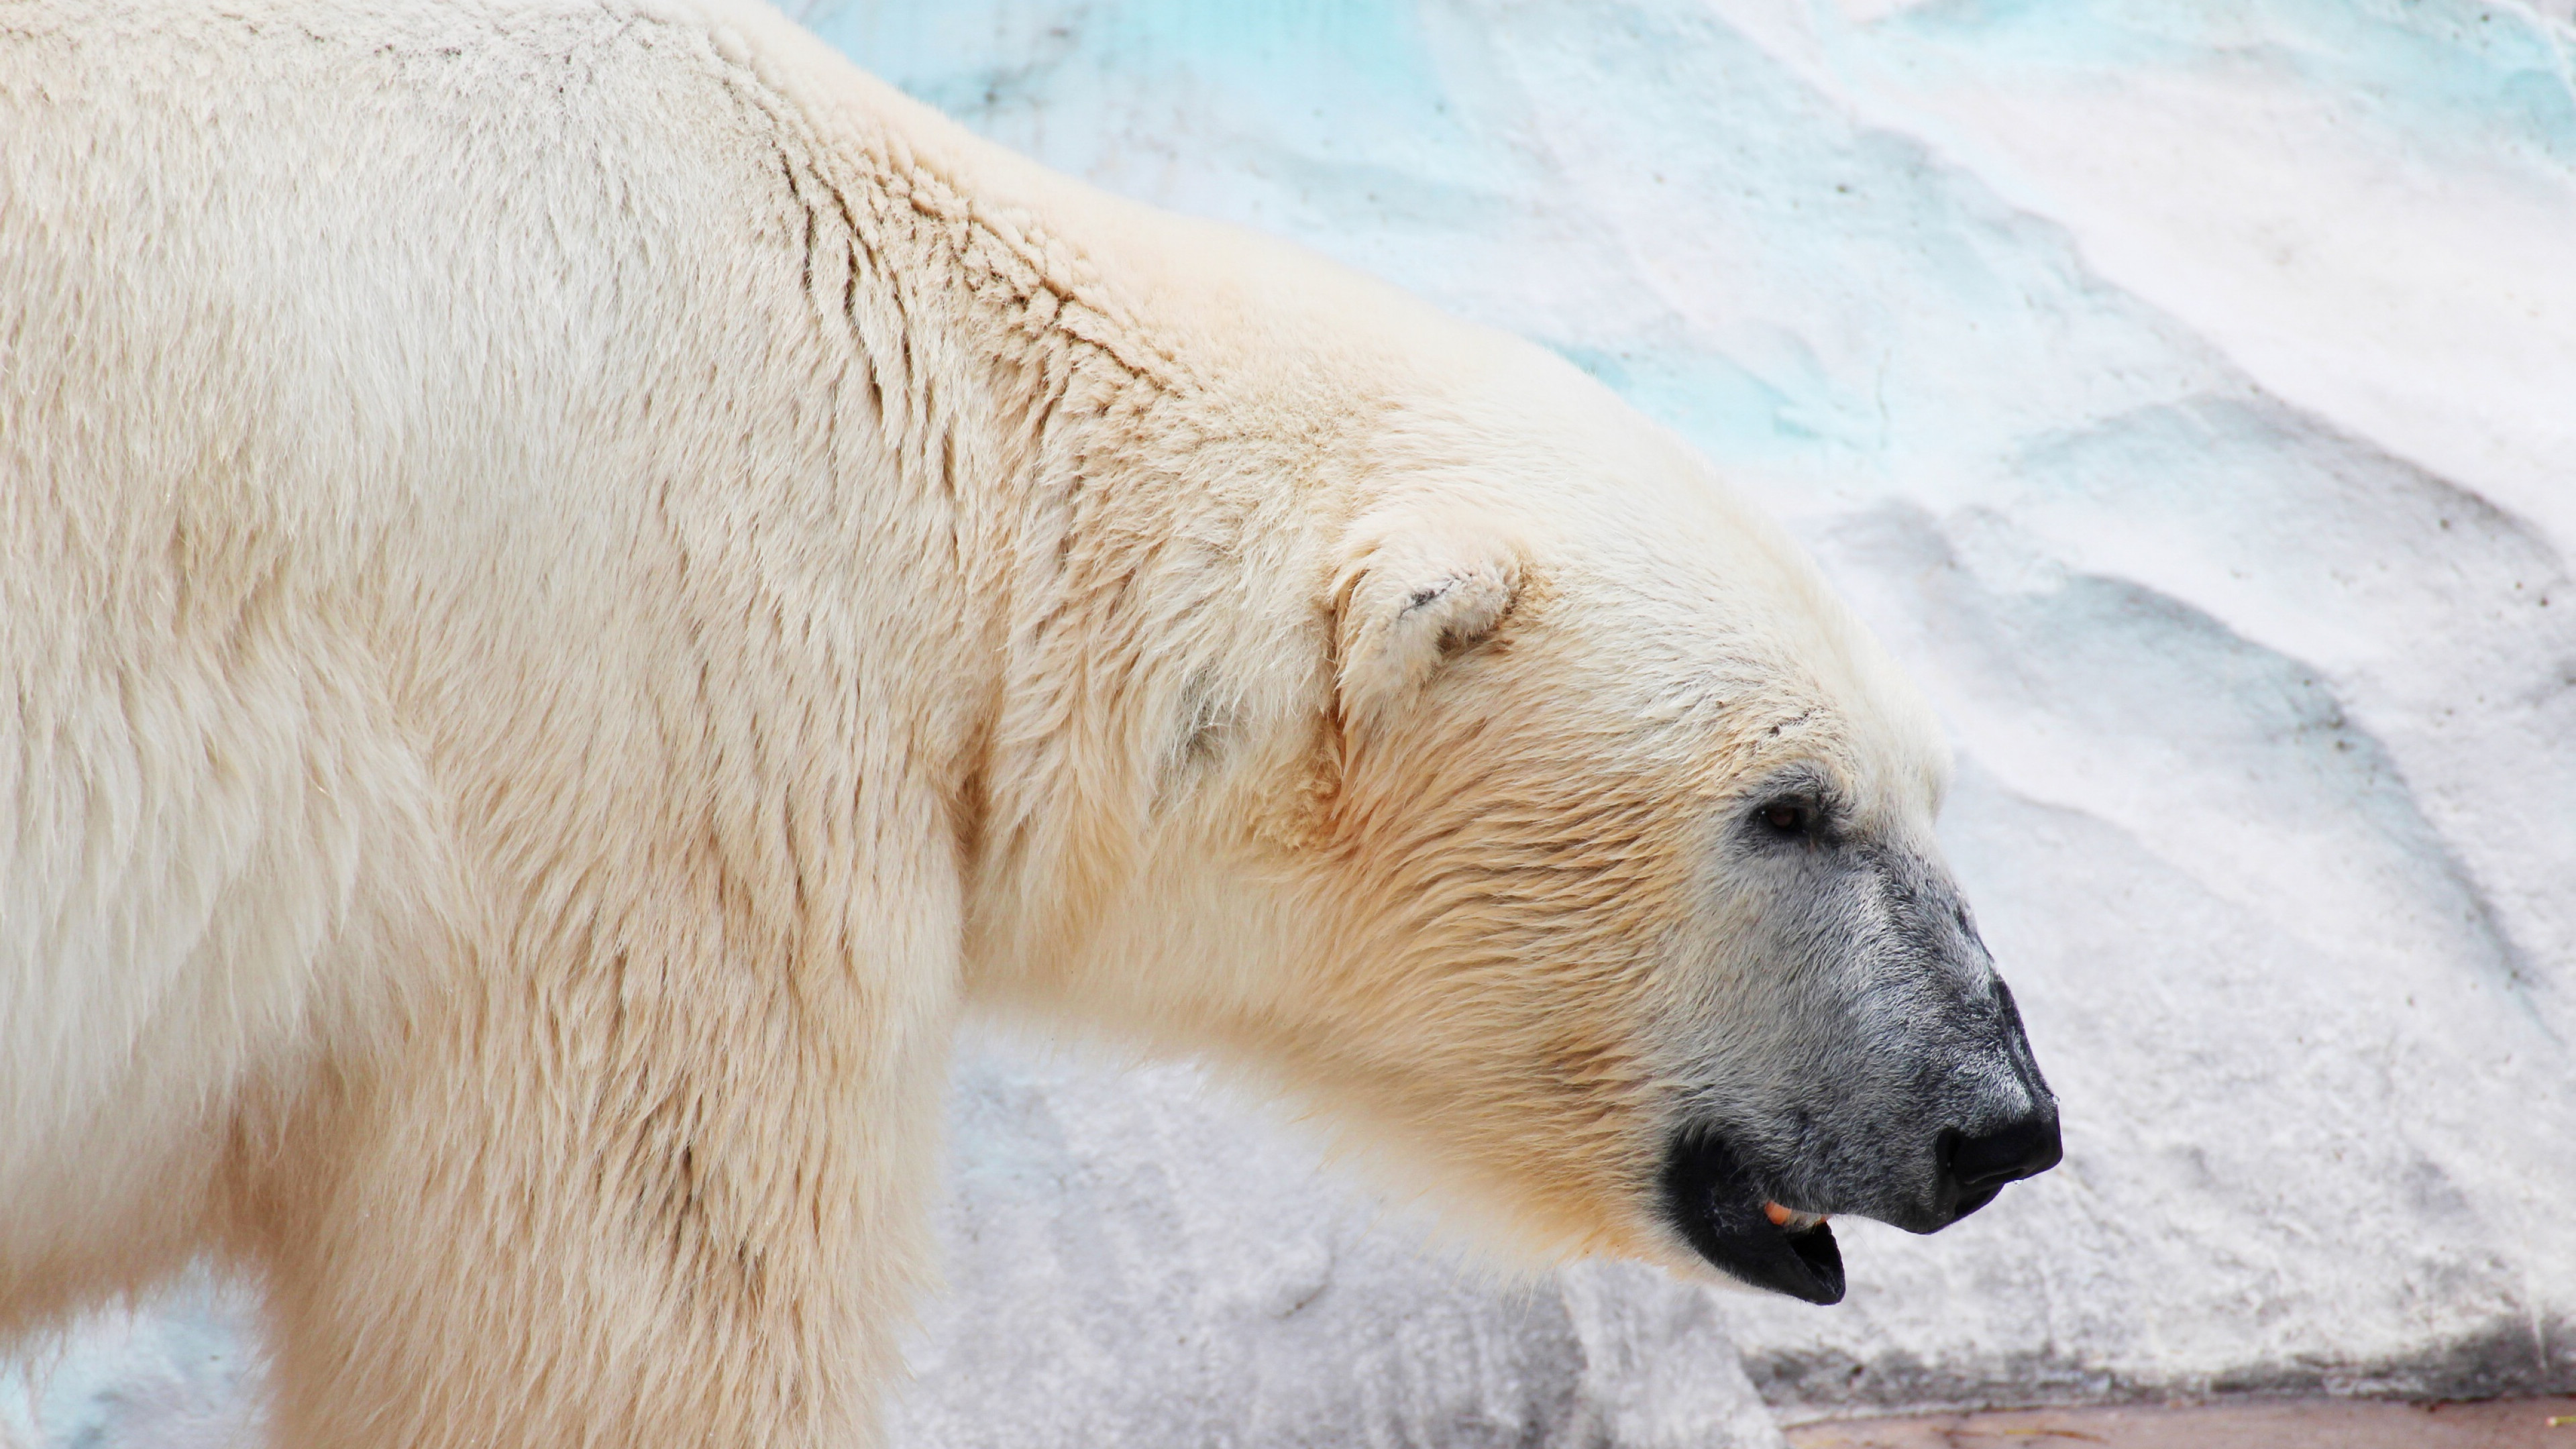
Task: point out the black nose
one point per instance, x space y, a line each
1975 1168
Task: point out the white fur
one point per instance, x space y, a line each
576 581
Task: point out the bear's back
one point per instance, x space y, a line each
348 358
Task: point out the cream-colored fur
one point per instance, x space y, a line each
576 581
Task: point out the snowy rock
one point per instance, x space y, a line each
2187 392
180 1372
1134 1260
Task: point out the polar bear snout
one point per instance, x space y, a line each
2009 1119
1891 1078
1975 1168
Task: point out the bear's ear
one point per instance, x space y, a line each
1415 594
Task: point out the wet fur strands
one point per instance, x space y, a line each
578 581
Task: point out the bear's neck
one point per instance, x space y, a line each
1113 467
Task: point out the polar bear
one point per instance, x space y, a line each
578 581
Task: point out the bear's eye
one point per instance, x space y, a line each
1793 818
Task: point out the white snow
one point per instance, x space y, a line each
2187 391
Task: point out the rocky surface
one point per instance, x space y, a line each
2183 390
2262 1424
1137 1260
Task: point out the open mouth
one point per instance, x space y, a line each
1744 1234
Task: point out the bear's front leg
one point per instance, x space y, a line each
620 1187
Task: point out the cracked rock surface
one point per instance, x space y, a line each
1134 1260
2183 391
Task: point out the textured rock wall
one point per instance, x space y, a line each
2187 391
1134 1260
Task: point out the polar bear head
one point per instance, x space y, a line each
1542 818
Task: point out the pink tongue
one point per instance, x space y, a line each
1780 1216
